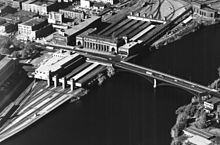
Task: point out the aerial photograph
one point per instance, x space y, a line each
109 72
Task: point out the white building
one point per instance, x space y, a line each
198 140
85 4
54 64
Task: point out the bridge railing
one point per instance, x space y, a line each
164 76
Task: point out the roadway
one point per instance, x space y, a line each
166 78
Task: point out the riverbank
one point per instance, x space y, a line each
198 121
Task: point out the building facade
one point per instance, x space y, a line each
29 29
71 13
203 10
88 3
55 18
42 8
98 44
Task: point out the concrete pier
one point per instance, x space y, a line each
71 82
155 83
63 82
49 79
55 81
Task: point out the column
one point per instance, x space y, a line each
55 80
72 84
49 79
155 83
64 83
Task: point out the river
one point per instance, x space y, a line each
126 110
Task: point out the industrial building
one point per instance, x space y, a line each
206 9
34 28
72 13
67 35
4 9
68 69
198 136
212 104
40 7
89 3
55 18
54 64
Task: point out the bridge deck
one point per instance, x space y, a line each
166 78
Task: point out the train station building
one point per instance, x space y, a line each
111 40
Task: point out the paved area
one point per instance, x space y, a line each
171 9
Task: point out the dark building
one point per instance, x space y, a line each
203 10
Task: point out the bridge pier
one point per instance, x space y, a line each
49 80
155 83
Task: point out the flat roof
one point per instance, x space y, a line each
213 100
81 25
200 132
129 45
29 1
73 9
2 21
44 3
4 62
7 24
20 0
215 5
34 21
20 16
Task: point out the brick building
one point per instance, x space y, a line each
39 7
31 29
203 10
72 13
99 44
55 18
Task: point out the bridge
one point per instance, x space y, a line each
175 81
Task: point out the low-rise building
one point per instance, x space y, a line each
203 10
198 136
17 3
85 4
67 35
99 44
20 16
211 104
40 7
53 65
4 9
72 13
90 3
7 28
55 18
32 28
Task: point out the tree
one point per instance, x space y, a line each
180 109
110 71
15 54
24 54
4 51
176 142
219 72
201 122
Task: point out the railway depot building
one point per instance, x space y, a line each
122 35
99 44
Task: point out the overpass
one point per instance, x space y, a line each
156 75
